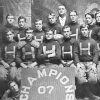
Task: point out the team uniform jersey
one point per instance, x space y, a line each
38 35
21 35
67 49
8 52
46 48
92 29
3 29
85 50
96 36
74 29
26 53
55 27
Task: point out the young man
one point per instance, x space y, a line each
9 25
53 25
49 52
26 51
73 24
7 54
91 23
8 69
38 31
22 28
96 35
13 91
67 48
62 18
86 60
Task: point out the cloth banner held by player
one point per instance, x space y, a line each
48 84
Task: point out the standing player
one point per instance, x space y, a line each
86 60
38 31
62 18
55 26
49 52
90 21
9 25
73 24
22 28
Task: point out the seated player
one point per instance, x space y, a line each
38 31
13 92
86 60
26 51
67 48
7 56
49 52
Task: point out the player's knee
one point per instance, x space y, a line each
13 72
92 78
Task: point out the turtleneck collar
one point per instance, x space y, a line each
9 25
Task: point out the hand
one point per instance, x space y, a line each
51 55
13 64
63 62
23 65
32 65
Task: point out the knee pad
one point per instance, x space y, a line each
13 72
3 73
92 77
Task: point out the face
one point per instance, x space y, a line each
49 35
39 25
10 19
10 36
52 19
21 23
29 34
61 10
98 17
67 32
85 32
14 87
73 16
89 19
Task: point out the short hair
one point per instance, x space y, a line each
21 17
8 15
73 11
48 29
92 15
9 30
37 20
66 26
29 29
52 14
83 26
97 13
